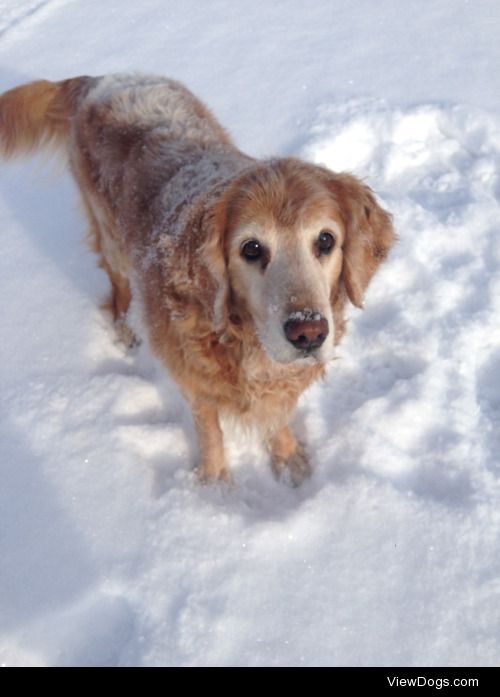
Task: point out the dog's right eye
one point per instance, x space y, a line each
251 250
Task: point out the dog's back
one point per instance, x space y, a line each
111 126
43 113
144 152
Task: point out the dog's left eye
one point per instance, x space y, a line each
325 242
251 250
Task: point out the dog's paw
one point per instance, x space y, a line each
125 335
295 469
210 475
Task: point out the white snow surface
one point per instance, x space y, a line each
111 553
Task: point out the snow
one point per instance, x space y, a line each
304 315
111 553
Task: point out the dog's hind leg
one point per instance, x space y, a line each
118 301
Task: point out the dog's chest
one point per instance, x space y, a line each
268 388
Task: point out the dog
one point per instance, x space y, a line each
241 268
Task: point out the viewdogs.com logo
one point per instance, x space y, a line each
437 683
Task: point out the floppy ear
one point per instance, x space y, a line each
369 234
212 257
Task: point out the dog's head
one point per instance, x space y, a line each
288 243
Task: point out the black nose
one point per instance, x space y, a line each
306 334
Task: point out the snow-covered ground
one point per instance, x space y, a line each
111 553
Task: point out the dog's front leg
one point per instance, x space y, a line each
212 463
288 456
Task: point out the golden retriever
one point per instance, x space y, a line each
241 268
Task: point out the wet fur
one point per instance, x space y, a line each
164 190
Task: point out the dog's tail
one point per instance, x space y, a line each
37 114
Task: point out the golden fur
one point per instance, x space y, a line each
171 203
